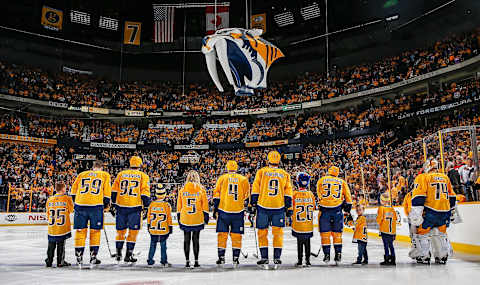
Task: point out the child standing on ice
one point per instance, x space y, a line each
159 226
360 235
59 207
302 219
387 219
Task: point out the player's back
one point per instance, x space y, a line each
192 203
434 191
387 220
332 192
159 218
91 187
58 210
272 185
439 192
303 207
232 189
360 232
130 185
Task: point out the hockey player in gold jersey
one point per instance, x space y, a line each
433 201
159 226
302 219
334 196
59 207
271 199
91 193
130 194
231 195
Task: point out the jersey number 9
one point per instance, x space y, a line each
273 187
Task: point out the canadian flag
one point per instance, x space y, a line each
221 20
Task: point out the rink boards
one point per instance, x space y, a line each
465 237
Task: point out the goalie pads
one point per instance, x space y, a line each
441 247
416 215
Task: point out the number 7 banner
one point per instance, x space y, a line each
131 33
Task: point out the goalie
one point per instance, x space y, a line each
433 201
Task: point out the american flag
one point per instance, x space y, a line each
163 19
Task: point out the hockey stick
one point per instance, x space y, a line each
256 241
316 254
108 244
245 255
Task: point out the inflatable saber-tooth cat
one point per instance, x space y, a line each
245 58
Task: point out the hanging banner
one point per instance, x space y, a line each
259 21
52 19
131 33
27 139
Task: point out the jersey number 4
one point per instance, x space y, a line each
233 190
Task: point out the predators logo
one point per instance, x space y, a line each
244 56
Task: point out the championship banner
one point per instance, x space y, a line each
52 19
259 21
270 143
131 33
26 139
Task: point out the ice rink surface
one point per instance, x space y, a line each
23 250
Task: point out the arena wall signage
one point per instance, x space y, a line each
191 147
440 108
113 145
134 113
85 157
95 110
77 71
224 126
170 126
27 139
286 108
270 143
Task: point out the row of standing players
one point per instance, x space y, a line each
270 202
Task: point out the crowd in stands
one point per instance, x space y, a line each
87 90
362 161
272 129
28 171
